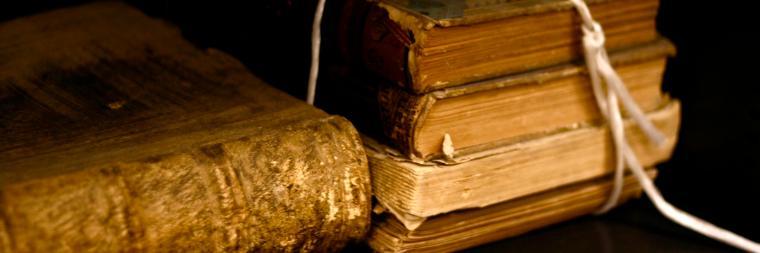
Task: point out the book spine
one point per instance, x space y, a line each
303 187
400 114
385 47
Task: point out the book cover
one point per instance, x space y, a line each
118 135
431 45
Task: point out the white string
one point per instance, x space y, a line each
316 38
599 66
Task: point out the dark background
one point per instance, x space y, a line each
714 173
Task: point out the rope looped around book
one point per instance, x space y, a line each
599 69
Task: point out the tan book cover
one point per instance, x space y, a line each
414 190
471 227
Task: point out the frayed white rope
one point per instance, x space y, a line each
316 38
599 68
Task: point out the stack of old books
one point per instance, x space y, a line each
479 118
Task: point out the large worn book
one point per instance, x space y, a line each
480 115
467 228
433 44
415 190
118 135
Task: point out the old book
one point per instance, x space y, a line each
414 191
433 44
467 228
118 135
482 114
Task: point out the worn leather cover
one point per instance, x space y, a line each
118 135
457 12
400 112
396 37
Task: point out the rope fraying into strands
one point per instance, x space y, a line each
600 71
